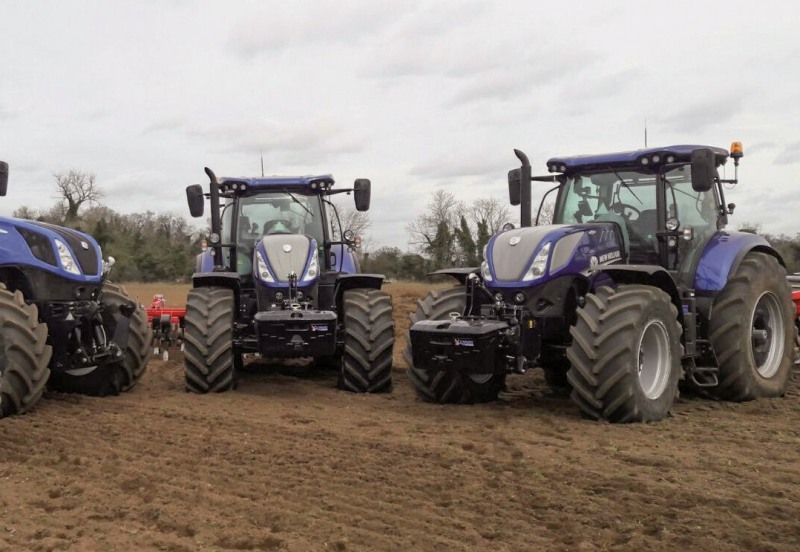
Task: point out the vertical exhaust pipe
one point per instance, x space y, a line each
525 189
216 221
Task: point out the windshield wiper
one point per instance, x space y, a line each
287 192
626 185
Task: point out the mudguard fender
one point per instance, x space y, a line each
721 257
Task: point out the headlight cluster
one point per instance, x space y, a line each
313 268
485 272
263 270
539 264
67 260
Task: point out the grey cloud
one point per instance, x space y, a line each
789 155
701 115
451 167
295 141
308 23
165 125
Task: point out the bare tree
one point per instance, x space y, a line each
357 221
489 211
76 188
433 232
24 212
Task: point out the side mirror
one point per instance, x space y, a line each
361 193
3 178
704 170
194 196
514 186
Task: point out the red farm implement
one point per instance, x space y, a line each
167 324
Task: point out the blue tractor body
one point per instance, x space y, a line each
84 333
277 245
638 257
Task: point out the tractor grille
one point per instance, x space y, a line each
87 258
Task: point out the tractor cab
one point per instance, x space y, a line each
662 215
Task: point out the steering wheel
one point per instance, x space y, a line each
270 226
627 211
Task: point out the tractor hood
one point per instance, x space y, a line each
62 251
533 255
280 255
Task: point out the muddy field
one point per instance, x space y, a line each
287 462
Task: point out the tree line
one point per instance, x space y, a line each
151 246
147 246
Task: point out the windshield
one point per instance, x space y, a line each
277 213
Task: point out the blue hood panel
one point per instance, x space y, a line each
15 251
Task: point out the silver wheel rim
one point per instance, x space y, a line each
480 379
767 335
654 359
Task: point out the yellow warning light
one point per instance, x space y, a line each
737 151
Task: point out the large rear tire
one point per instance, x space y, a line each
208 340
366 365
140 336
752 331
448 386
625 355
24 354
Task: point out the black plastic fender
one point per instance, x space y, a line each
230 280
650 275
460 274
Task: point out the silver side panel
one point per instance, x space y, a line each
287 253
563 251
511 261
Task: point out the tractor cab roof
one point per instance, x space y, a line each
309 183
635 159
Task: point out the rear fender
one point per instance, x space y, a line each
722 255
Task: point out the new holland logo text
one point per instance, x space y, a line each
608 257
460 342
319 328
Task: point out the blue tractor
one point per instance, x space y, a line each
636 287
280 278
62 324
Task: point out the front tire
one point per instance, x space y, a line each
366 365
625 355
24 354
448 386
752 331
140 336
208 340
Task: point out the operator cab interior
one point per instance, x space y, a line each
629 199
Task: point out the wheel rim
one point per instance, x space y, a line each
654 359
480 379
767 335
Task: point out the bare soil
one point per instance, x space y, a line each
287 462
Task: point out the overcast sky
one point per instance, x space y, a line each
415 95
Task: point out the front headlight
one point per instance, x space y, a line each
539 264
485 272
67 260
263 271
312 270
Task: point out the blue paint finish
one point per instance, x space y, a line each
630 159
14 251
599 240
720 257
277 182
206 261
